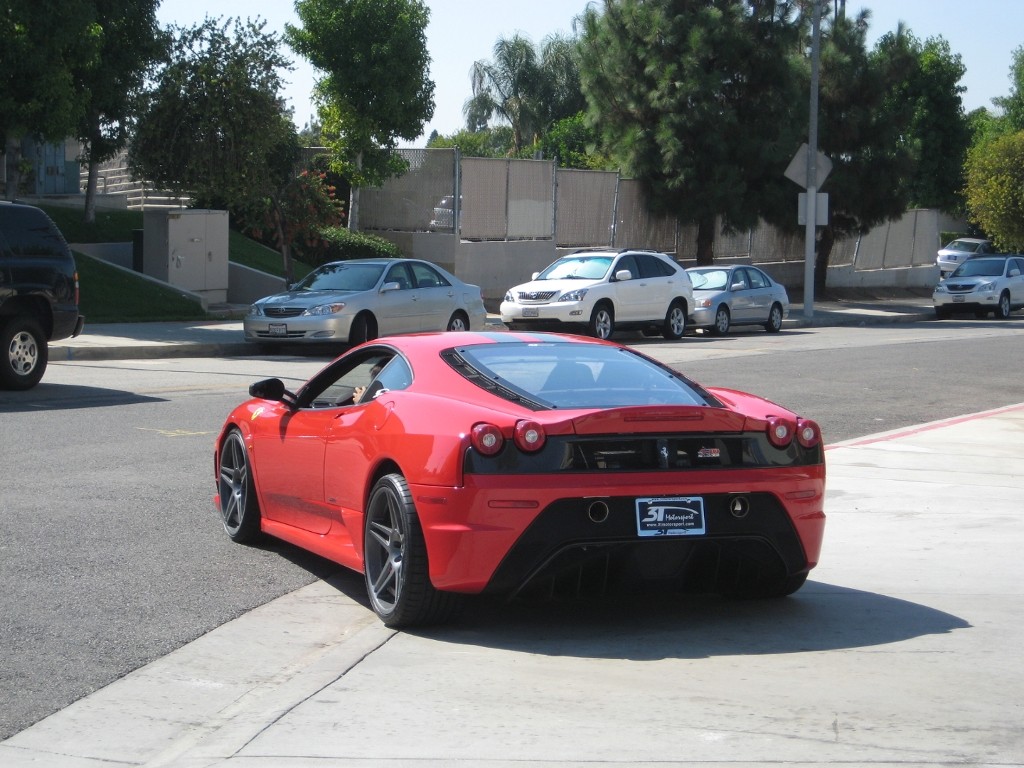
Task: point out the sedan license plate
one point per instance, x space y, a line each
531 312
670 516
278 329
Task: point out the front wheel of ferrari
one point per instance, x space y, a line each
239 508
395 560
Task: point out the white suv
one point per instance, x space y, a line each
601 291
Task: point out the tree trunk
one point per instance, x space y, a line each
283 237
706 241
12 167
353 204
824 251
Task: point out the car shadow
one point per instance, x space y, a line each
820 617
56 397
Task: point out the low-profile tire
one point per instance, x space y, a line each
239 507
395 562
1003 308
675 321
458 322
942 313
722 321
602 321
774 322
23 353
363 329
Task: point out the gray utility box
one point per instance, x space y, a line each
188 249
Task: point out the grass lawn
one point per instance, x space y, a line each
110 295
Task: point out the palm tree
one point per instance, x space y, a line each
527 88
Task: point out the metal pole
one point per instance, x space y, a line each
812 165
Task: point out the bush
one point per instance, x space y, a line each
343 244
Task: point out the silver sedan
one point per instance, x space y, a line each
738 295
358 300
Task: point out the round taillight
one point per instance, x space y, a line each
780 431
487 439
808 433
529 436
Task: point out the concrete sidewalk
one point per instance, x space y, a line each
215 338
902 649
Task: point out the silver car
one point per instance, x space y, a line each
955 253
737 295
982 284
358 300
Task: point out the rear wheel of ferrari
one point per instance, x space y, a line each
395 560
239 508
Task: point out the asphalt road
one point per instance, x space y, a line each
111 554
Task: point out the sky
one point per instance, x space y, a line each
984 32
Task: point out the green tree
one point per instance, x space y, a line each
215 126
574 143
486 142
940 131
375 90
1013 105
995 188
39 97
130 43
527 87
696 99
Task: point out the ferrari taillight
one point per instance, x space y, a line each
780 431
808 433
487 439
529 436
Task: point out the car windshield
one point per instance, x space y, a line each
341 277
578 268
980 268
709 280
564 375
963 245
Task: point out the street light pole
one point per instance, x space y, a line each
812 164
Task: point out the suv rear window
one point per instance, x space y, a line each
28 232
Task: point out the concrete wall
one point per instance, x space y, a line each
246 285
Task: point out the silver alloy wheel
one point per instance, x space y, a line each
234 483
774 324
601 323
385 551
1003 311
675 322
458 323
23 354
722 320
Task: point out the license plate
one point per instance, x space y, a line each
670 516
531 312
958 299
278 329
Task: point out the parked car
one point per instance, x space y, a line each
982 284
443 217
737 295
357 300
955 253
39 293
600 291
510 464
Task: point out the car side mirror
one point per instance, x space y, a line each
623 274
736 287
1014 272
534 276
272 389
392 286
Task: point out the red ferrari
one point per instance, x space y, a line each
447 464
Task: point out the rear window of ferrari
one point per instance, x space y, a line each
565 375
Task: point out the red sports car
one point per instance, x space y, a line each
448 464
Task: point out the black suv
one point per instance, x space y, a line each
38 293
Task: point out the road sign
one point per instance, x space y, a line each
797 168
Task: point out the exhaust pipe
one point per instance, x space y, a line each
598 512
